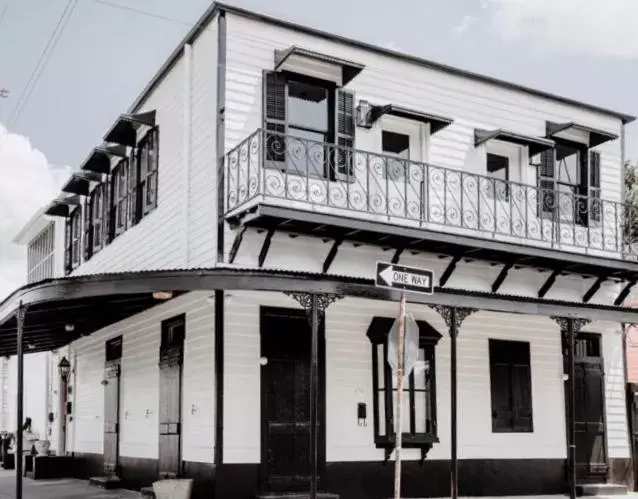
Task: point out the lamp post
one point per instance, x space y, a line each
64 369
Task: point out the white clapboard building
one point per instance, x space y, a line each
217 301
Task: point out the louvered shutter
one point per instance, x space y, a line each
594 186
547 183
345 135
107 219
88 224
68 241
133 188
274 90
522 397
501 392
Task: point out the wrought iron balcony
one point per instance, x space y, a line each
303 174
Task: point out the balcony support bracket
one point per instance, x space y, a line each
624 293
265 247
548 283
447 273
239 237
594 289
332 254
397 255
502 276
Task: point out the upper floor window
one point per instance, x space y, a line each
147 166
511 386
309 126
73 238
498 170
119 197
40 256
419 400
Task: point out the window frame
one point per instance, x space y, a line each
378 332
512 354
73 240
119 202
149 144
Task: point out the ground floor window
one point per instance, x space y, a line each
419 396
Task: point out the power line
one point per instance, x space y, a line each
3 12
142 12
43 60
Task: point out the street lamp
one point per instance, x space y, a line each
64 368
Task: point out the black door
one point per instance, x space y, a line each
589 386
285 381
170 400
111 381
632 407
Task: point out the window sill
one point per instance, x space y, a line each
409 441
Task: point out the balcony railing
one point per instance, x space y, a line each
317 176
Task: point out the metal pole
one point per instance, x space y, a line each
399 421
454 464
20 408
571 398
314 393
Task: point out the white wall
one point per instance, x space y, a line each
140 382
180 231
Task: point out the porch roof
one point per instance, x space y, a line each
62 310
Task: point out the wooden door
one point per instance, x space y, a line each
589 386
285 381
111 381
170 400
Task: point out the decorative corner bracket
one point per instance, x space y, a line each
577 323
324 300
453 316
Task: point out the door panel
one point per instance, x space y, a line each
170 400
286 343
112 370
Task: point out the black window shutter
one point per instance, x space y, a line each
547 182
107 219
274 90
594 186
133 187
345 135
522 397
501 393
88 224
68 243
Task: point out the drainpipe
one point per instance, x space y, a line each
186 153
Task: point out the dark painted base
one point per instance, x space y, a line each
375 480
48 467
109 482
138 473
9 462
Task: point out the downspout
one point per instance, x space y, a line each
186 153
219 257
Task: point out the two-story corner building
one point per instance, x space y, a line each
220 252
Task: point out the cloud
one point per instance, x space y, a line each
27 182
465 25
576 26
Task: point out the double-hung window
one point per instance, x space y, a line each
120 195
73 238
309 126
147 165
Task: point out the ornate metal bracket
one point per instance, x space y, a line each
445 311
324 300
21 314
578 324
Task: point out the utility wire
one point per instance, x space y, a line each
3 12
142 12
43 60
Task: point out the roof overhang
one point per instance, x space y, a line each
436 122
61 310
535 144
580 133
99 160
124 130
36 224
80 182
302 61
62 206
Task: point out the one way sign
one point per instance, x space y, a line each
414 279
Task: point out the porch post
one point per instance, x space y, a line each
453 317
17 457
569 328
315 306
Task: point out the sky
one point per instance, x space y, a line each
58 105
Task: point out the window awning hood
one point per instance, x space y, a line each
436 122
535 144
62 206
578 133
99 161
80 182
307 62
124 130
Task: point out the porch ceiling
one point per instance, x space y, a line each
93 302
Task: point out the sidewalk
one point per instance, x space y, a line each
58 489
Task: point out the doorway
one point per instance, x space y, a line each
170 400
111 382
285 400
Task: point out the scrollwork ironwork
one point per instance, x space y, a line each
563 323
447 314
324 300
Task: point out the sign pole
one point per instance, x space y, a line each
399 411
